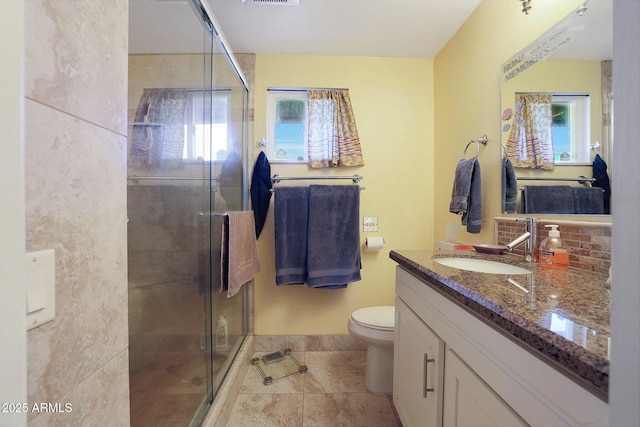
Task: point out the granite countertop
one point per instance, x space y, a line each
564 318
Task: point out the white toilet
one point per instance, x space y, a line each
375 326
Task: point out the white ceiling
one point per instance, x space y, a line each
164 26
388 28
383 28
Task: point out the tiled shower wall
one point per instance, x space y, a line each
589 243
75 172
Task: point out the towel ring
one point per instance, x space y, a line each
482 140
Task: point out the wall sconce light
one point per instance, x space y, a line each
526 6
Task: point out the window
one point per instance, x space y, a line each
549 130
287 122
204 141
570 128
316 126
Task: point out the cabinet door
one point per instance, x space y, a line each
418 370
469 401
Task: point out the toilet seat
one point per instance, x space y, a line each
382 318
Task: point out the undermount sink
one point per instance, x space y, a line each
481 265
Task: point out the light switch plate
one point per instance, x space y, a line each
370 223
41 290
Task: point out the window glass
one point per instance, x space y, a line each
204 141
287 125
570 127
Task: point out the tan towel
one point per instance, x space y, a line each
239 246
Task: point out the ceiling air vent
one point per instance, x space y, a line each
274 2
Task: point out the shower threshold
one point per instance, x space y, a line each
275 366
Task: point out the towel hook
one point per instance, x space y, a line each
504 150
482 140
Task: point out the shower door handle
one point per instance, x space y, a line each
425 379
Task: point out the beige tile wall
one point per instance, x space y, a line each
75 167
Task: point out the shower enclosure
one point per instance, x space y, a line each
186 166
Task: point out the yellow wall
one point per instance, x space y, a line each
467 97
415 117
392 100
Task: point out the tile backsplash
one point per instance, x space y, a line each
589 243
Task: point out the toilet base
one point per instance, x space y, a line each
379 340
379 371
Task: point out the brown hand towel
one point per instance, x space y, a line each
242 249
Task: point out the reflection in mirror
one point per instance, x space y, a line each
557 112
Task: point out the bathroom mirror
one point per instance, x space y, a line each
572 63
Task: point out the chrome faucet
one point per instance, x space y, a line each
528 237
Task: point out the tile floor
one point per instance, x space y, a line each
331 394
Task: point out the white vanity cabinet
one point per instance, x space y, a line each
469 401
418 370
479 376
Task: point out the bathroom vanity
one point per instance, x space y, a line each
496 349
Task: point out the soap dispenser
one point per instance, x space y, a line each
552 254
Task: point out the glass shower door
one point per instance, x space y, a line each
187 115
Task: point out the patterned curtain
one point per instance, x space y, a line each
158 130
333 136
530 143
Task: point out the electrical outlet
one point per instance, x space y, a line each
370 223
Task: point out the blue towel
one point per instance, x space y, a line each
551 199
588 200
290 212
602 181
466 196
333 245
509 187
260 191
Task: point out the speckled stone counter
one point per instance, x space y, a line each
562 317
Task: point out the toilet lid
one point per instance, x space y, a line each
378 317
